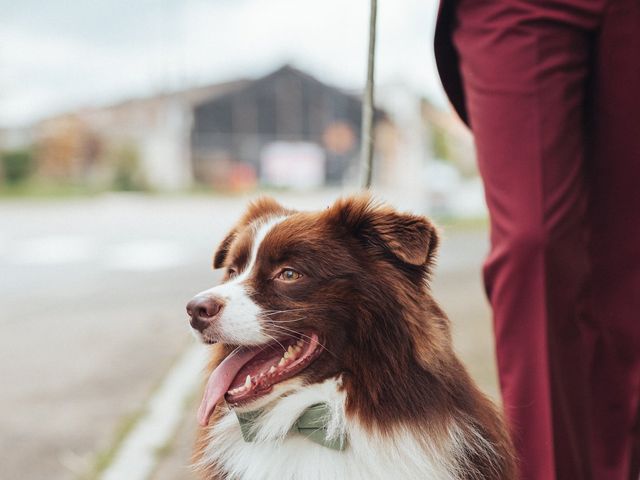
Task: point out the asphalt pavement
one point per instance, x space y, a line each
92 295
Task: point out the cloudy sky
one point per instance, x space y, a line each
57 55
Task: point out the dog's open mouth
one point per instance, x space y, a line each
250 372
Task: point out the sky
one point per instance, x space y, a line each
59 55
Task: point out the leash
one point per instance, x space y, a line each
366 135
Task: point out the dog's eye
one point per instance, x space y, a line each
288 275
231 272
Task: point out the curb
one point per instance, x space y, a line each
138 452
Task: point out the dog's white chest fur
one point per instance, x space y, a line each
279 455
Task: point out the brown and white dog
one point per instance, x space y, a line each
344 292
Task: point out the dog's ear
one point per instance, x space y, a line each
411 238
223 250
262 207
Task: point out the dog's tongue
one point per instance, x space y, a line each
220 380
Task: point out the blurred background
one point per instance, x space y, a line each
132 134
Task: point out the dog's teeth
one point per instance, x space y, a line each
247 382
286 354
300 343
290 350
282 362
272 369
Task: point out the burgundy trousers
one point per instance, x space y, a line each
551 91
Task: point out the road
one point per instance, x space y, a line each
92 295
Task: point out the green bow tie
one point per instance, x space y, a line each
311 424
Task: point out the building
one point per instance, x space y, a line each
144 142
286 129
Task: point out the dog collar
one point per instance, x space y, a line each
311 424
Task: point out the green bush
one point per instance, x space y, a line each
16 166
440 144
127 175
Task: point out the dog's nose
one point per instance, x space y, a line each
203 310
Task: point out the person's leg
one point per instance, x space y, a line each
525 68
614 179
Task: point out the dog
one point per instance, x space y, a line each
331 359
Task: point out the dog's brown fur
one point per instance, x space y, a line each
365 290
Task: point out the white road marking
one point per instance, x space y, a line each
58 250
145 256
51 250
137 456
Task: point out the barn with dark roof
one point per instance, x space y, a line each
235 135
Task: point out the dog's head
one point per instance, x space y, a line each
311 295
